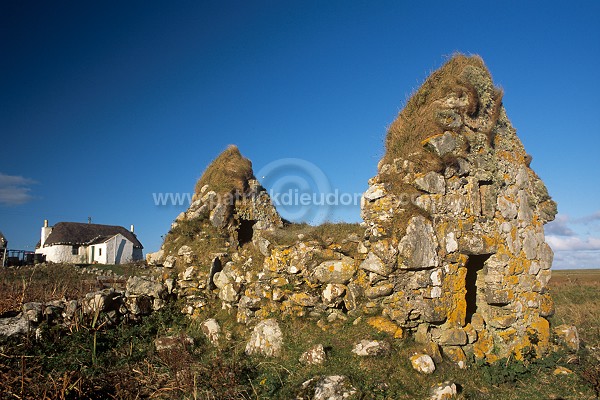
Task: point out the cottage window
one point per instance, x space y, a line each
100 251
75 250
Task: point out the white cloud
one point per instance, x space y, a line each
588 219
576 259
573 243
559 227
15 190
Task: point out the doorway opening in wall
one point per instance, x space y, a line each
245 231
474 282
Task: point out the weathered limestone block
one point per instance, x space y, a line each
567 334
456 355
374 264
379 290
332 294
418 249
453 337
371 348
333 387
444 391
266 339
336 271
304 299
314 356
422 363
173 342
442 144
212 330
375 192
229 292
431 182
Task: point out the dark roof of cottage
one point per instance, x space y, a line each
77 233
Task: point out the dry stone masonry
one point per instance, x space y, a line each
453 250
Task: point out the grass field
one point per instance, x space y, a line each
125 364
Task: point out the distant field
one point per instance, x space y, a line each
575 276
576 295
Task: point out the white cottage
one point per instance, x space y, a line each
80 243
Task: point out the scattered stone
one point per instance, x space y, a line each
567 334
179 342
332 387
443 391
422 363
314 356
366 348
266 339
562 371
212 331
12 326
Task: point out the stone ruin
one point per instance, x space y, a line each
451 250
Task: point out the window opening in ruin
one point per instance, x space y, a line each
474 282
245 231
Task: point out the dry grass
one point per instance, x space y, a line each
576 296
424 117
341 237
228 173
420 118
204 239
42 283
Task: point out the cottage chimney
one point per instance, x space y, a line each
131 228
46 231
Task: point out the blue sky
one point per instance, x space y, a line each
105 103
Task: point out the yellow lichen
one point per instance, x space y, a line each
383 324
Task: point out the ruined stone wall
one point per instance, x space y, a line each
453 250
